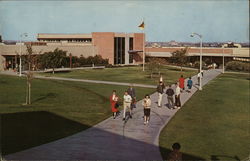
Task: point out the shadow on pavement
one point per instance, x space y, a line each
28 129
25 130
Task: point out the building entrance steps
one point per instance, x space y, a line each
114 139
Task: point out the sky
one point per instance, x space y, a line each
215 20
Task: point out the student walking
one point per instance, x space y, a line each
126 105
202 73
189 84
114 103
170 94
160 90
199 76
182 82
177 96
146 103
131 92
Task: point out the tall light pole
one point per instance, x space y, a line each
200 37
20 53
223 69
223 59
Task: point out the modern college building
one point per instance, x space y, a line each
112 46
118 48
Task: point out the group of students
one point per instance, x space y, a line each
129 99
129 103
171 94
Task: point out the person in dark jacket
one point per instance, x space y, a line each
170 94
160 90
131 92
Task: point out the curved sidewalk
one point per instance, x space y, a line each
114 139
82 80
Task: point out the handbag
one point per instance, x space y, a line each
116 105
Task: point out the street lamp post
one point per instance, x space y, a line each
223 58
200 37
223 61
20 53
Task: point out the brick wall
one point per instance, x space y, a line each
138 45
104 41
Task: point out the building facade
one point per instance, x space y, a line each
118 48
112 46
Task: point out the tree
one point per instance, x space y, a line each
54 59
155 64
179 57
29 59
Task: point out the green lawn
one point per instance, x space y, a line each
214 123
59 109
62 108
127 74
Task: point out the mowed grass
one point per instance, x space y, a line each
214 123
127 74
59 109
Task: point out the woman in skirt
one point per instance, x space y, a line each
146 103
114 103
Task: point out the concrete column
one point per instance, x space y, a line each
2 63
126 49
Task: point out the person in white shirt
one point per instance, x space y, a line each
199 76
177 96
127 99
146 103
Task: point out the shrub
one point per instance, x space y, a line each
197 64
237 66
82 61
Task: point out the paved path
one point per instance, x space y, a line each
114 139
82 80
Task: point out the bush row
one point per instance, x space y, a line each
238 66
82 61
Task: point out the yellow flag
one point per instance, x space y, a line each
142 25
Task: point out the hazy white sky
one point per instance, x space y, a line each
216 20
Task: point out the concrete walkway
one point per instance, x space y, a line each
82 80
114 139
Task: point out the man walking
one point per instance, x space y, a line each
160 90
126 105
131 92
170 94
199 76
177 96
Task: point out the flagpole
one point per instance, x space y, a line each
142 27
143 54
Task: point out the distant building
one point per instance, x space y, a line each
212 54
112 46
118 48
